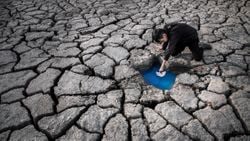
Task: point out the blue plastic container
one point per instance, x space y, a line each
164 83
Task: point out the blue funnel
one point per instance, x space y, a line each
164 83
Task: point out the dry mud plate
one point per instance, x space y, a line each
65 73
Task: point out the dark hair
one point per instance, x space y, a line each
157 35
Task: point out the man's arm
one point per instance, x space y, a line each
170 49
171 46
162 66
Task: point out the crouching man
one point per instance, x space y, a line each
173 39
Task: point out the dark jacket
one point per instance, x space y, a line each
179 36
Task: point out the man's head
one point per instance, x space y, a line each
159 36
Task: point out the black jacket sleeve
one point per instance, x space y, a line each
171 46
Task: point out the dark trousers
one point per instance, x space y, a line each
193 46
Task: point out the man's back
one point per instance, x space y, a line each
184 31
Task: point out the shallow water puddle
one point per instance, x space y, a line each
164 83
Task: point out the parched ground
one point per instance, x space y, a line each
65 74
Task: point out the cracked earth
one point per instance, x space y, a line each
65 73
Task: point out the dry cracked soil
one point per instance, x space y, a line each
65 73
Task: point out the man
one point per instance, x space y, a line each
173 39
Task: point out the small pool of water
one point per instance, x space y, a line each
164 83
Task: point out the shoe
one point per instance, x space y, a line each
199 58
205 46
